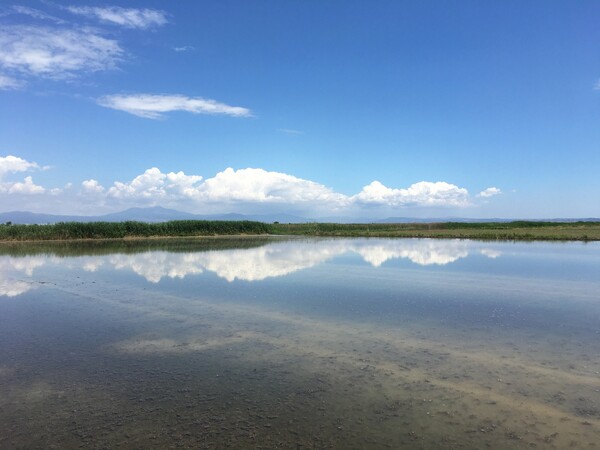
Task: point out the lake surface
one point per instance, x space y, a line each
300 343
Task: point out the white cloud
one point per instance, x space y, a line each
7 83
597 86
150 185
155 185
126 17
27 187
13 164
185 48
92 186
35 13
489 192
258 185
249 190
424 193
56 53
153 106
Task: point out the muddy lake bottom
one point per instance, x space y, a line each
307 343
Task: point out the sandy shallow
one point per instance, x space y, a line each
99 361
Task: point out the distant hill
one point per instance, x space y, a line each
160 214
151 214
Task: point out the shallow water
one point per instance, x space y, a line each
300 343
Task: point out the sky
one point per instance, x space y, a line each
366 109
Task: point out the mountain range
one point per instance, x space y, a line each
160 214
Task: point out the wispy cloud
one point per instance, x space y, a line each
125 17
35 13
489 192
597 86
185 48
8 83
55 53
154 106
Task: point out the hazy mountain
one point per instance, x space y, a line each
160 214
151 214
26 217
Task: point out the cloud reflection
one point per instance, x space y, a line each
11 267
283 258
275 259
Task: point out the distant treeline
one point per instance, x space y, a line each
116 230
517 230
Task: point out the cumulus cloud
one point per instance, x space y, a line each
125 17
153 106
55 53
12 164
27 187
259 185
155 185
489 192
92 186
424 193
241 190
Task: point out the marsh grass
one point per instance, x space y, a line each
517 230
120 230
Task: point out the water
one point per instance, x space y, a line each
300 343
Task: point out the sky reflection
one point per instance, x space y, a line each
273 259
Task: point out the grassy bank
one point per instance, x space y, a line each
519 230
121 230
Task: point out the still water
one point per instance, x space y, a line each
300 343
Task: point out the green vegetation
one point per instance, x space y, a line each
120 230
518 230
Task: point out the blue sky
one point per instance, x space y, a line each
337 108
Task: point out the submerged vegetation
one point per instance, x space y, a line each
517 230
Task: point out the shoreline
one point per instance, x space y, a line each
193 230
